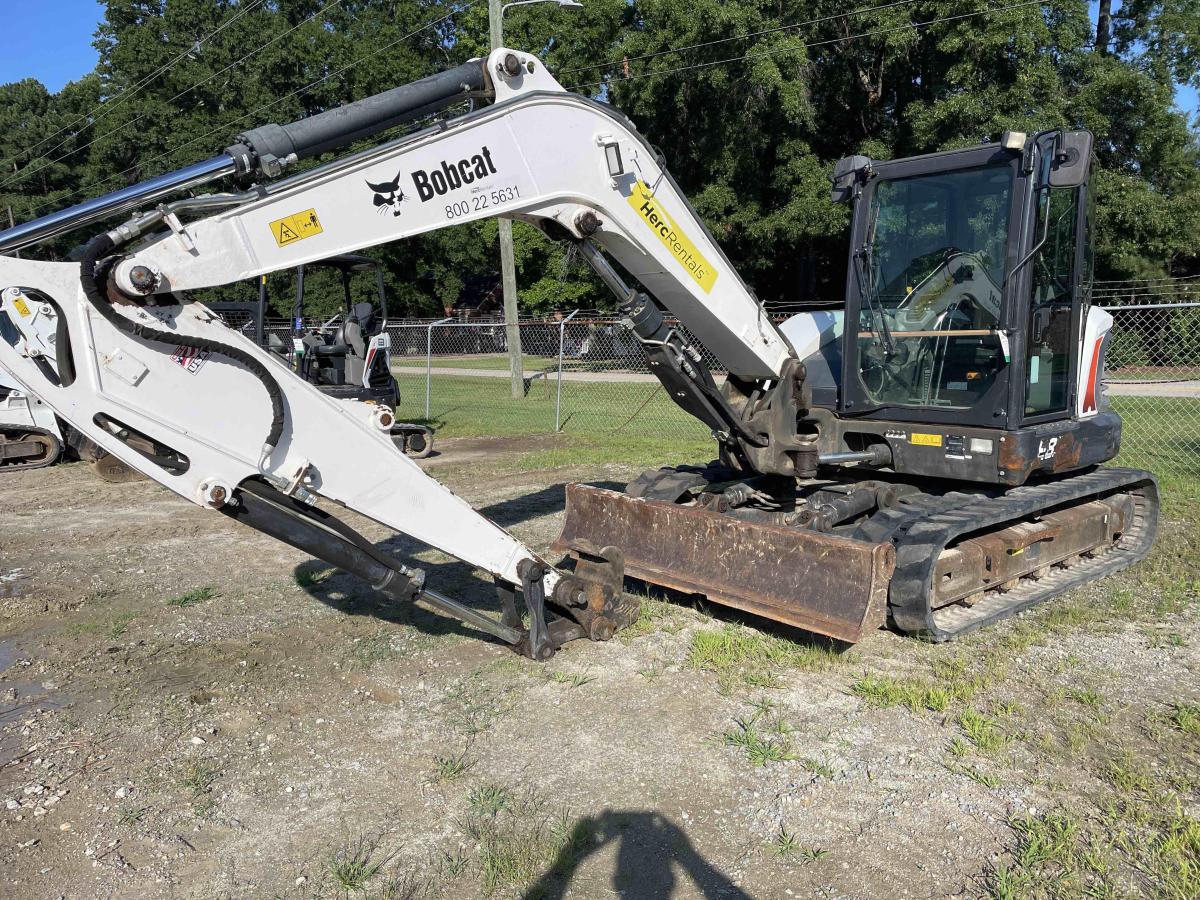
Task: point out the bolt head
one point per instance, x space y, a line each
144 279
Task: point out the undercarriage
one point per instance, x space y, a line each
842 556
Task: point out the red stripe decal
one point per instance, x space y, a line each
1089 396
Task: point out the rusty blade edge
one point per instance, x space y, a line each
596 517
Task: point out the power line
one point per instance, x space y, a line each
266 106
738 37
840 40
107 106
184 92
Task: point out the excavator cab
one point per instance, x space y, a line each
968 311
932 461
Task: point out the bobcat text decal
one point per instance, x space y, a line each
450 176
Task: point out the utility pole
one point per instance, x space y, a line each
508 268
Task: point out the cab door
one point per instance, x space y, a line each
1055 308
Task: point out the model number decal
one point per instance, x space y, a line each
1046 448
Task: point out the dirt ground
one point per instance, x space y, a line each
189 709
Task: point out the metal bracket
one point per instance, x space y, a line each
532 573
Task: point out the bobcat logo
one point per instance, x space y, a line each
388 195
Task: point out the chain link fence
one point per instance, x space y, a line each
587 374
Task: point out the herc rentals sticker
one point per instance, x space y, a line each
672 237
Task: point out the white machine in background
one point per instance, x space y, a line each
30 436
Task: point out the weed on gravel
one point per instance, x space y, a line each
451 767
762 737
517 840
192 597
356 863
1186 717
741 656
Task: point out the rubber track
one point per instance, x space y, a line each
48 461
923 528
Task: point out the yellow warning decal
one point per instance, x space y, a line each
928 440
296 227
19 303
681 247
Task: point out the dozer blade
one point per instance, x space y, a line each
819 582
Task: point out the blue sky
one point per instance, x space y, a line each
52 42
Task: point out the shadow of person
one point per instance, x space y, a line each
650 850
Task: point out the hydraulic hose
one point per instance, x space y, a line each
103 245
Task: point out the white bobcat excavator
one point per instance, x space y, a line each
896 462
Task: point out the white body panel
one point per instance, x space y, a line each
1091 363
808 332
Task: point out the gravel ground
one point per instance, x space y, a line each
189 709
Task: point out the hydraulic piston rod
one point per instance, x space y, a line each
268 149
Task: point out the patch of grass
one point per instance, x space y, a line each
958 747
520 842
451 767
985 733
983 778
653 615
474 704
354 864
489 799
129 814
786 842
308 578
1127 776
572 679
194 596
369 651
198 776
1186 717
917 694
1086 697
741 655
760 748
1152 844
119 624
654 670
817 767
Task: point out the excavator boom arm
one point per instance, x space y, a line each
162 384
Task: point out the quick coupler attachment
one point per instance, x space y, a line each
587 602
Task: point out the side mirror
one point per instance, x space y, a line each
1072 159
846 172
